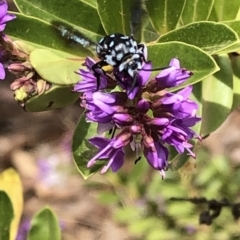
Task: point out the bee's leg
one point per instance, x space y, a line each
134 81
97 69
142 50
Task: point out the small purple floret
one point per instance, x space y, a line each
156 155
107 150
89 81
172 76
2 72
4 15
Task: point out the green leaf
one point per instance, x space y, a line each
45 226
161 54
149 34
235 25
84 151
6 215
56 97
55 69
91 2
236 90
10 182
79 14
115 15
232 48
238 15
179 160
217 96
209 36
224 10
195 11
164 14
41 35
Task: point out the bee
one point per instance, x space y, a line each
122 53
118 53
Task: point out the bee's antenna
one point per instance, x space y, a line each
154 69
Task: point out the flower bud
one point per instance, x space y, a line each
122 119
143 105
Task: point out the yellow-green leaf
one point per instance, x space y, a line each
55 69
10 183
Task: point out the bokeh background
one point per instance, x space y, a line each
133 204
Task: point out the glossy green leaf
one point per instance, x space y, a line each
232 48
164 14
91 2
79 14
42 35
194 59
235 25
217 96
195 11
44 225
6 215
209 36
115 15
149 33
55 69
82 150
224 10
56 97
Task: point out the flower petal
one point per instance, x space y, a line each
2 72
3 9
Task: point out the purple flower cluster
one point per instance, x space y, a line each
147 118
4 18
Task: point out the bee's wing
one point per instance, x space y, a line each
72 35
138 14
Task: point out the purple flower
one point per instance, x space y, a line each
178 133
4 16
172 76
111 149
89 81
2 72
101 106
23 229
143 105
143 118
122 119
126 81
156 154
177 104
